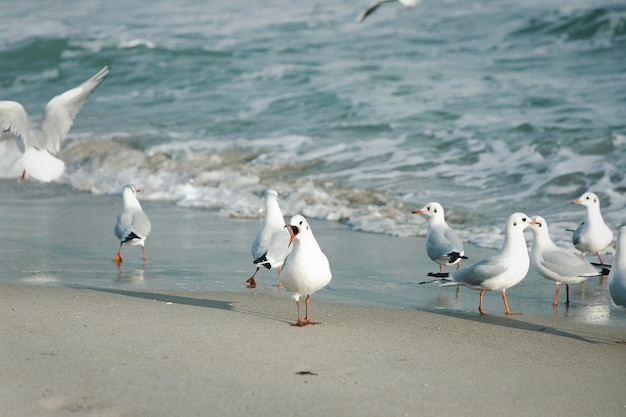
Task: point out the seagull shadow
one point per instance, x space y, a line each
516 323
183 300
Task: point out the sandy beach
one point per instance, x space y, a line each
182 336
81 351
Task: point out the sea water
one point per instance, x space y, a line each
488 107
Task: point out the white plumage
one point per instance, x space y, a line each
443 245
271 244
617 276
593 234
554 263
132 226
499 271
306 269
42 144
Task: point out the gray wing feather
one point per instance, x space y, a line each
567 264
479 272
132 222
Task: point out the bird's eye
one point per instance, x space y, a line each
434 210
514 223
594 200
587 197
524 219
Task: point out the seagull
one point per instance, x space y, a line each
593 234
499 271
306 268
133 225
41 145
617 276
271 244
557 264
442 243
370 9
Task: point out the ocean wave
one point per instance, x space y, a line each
578 24
371 185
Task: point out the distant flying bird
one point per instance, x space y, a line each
557 264
593 234
497 272
372 7
271 244
306 269
133 225
40 146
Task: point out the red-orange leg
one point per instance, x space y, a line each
506 305
251 282
480 303
556 295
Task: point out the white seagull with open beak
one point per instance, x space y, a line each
306 269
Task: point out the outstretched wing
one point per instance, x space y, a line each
13 118
62 109
371 8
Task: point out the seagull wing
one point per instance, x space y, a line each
370 9
478 273
567 264
62 109
13 118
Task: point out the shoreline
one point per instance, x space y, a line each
66 239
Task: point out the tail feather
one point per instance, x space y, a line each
131 236
604 268
455 256
263 261
439 277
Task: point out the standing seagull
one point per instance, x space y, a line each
442 243
271 244
617 276
593 234
557 264
42 144
370 9
133 225
499 271
306 268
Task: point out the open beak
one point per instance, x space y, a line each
293 232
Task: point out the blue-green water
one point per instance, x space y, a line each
487 106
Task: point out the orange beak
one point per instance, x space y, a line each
577 201
293 232
420 211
